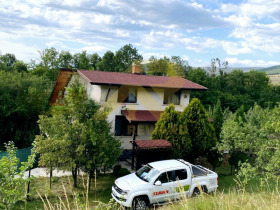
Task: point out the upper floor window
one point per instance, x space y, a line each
172 96
127 94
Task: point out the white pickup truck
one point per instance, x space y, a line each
161 181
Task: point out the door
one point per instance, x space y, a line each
182 183
164 192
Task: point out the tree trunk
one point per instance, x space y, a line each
28 185
90 178
74 175
51 170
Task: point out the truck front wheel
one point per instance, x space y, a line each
140 203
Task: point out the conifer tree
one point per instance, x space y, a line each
218 119
168 127
201 131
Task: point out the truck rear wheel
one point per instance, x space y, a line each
140 203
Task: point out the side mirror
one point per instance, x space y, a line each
158 183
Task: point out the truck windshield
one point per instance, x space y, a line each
147 173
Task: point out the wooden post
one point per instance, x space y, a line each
133 151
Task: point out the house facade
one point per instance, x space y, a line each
136 100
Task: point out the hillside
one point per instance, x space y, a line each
271 70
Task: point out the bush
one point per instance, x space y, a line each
123 172
116 169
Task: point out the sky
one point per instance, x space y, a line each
246 33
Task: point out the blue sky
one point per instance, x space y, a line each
243 32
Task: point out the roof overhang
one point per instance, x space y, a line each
152 144
141 115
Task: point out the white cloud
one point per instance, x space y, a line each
253 63
94 49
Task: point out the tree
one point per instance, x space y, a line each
65 59
49 61
107 63
201 131
158 67
80 132
8 59
82 60
22 98
169 127
7 62
11 179
218 119
125 56
93 60
20 66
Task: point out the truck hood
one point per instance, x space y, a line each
129 181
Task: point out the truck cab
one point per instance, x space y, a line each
162 181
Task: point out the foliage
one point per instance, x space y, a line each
122 172
258 136
169 127
11 180
215 158
218 119
79 134
201 131
167 67
107 63
116 169
233 88
237 157
125 56
22 98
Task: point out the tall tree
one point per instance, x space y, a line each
49 62
80 132
158 67
125 56
169 127
218 119
93 60
22 98
65 59
107 63
201 131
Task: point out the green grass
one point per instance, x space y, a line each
102 193
228 196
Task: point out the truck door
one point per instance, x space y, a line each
182 183
164 192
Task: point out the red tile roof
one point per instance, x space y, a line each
117 78
153 144
141 115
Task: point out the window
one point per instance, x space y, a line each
127 94
123 127
165 177
197 172
172 96
147 173
181 174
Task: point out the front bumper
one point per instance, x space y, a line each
121 199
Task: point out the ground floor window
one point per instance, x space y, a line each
124 128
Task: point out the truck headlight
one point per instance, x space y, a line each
125 192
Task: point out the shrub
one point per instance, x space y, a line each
123 172
116 169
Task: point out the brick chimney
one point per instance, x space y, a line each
136 68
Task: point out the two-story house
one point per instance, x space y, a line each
136 100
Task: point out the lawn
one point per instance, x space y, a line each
60 185
228 188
